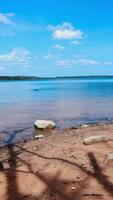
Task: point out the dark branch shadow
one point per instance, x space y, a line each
97 170
12 184
54 186
100 177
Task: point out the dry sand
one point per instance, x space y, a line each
59 167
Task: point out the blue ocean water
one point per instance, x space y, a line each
68 102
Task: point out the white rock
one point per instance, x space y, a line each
94 139
34 148
39 136
84 125
110 156
44 124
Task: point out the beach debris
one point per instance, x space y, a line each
110 156
94 139
39 136
73 156
44 124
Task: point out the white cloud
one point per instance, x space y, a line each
108 63
74 61
48 56
18 56
1 68
63 62
89 62
75 42
5 19
10 14
85 61
65 31
77 60
58 46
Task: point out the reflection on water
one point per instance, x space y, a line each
67 102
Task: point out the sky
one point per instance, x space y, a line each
56 37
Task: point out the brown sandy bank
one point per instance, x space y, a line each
59 167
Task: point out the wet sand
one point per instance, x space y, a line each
59 167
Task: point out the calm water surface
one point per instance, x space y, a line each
67 102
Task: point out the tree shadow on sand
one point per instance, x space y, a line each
55 187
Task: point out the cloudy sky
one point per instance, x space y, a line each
56 38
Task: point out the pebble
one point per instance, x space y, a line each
110 156
84 125
34 148
39 136
73 188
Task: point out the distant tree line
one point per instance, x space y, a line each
10 78
18 78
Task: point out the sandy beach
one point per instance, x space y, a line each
59 166
56 100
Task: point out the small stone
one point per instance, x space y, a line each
84 125
39 136
83 166
94 139
34 148
73 188
110 156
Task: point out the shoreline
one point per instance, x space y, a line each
59 165
31 132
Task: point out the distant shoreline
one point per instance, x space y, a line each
20 78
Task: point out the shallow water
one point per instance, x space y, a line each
68 102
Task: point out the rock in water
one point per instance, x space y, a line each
44 124
94 139
35 90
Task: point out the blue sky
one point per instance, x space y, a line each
56 38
